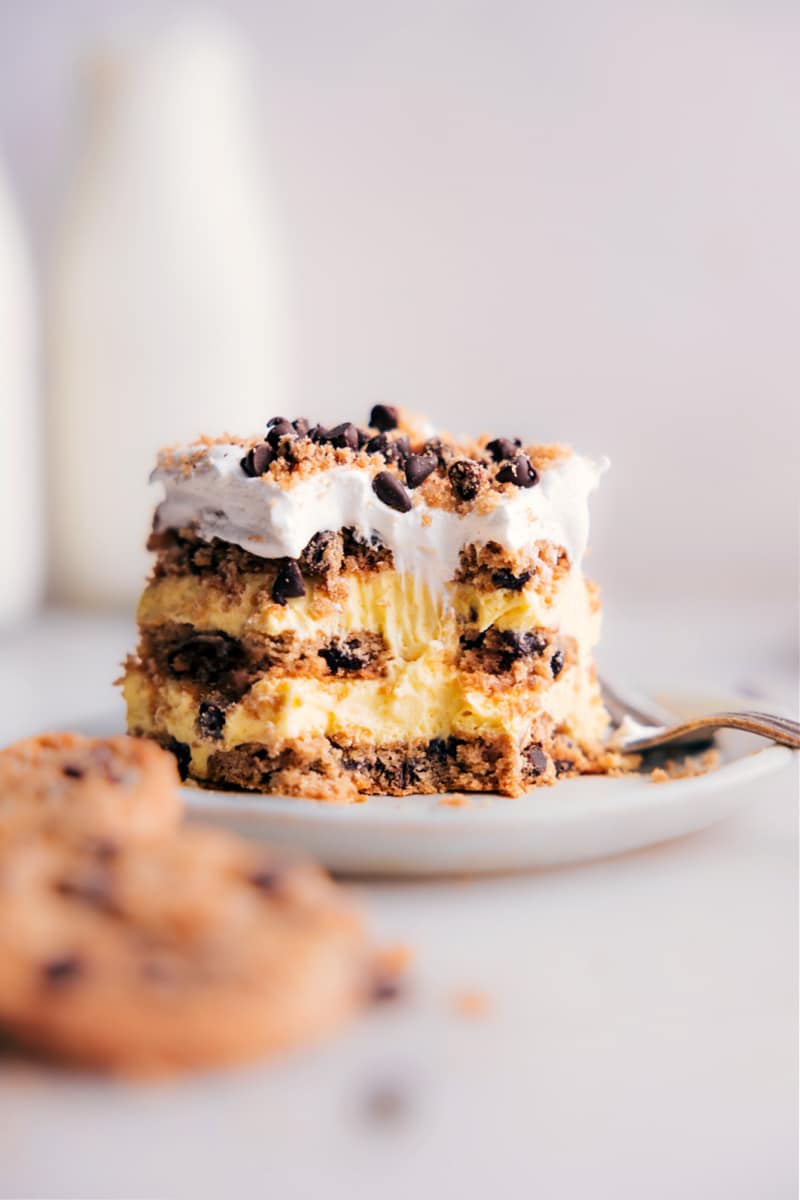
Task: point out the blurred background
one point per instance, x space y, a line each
569 221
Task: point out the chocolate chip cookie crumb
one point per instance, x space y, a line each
465 478
349 654
322 555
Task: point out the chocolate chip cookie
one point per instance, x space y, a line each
191 950
108 787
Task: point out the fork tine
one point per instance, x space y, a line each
620 707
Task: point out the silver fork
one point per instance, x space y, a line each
646 728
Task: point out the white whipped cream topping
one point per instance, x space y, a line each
275 522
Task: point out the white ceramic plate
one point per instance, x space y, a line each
575 820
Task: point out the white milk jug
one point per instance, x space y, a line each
21 451
163 305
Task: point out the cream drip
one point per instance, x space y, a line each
276 521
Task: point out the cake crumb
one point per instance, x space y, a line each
390 967
471 1002
395 959
455 800
685 768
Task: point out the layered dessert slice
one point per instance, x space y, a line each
349 611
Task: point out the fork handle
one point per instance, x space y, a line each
778 729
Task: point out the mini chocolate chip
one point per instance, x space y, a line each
502 448
381 444
524 645
343 656
391 492
364 436
210 720
384 417
536 758
453 745
205 656
301 426
385 988
472 640
280 430
183 755
161 971
344 436
276 421
387 1103
258 460
103 759
437 749
104 849
289 583
73 772
563 765
394 450
419 467
94 887
318 433
557 663
510 582
62 970
266 879
465 477
520 472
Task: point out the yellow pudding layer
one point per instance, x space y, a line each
423 694
423 699
411 619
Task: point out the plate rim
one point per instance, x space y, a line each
559 805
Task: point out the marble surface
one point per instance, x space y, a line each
637 1024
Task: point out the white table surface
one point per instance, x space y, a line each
640 1037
